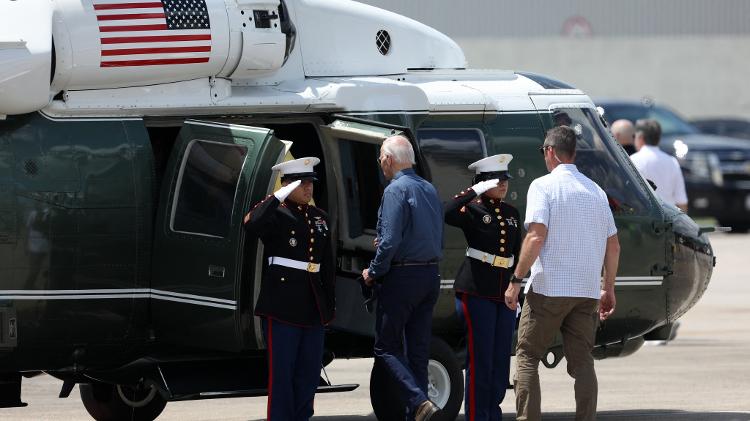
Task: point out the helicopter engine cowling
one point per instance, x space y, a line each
25 56
99 44
119 43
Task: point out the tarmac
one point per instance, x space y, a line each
703 375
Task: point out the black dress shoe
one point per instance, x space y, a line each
425 411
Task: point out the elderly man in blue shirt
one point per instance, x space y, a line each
409 246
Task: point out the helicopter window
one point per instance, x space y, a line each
363 185
206 187
447 153
598 157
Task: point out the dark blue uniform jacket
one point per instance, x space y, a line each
302 233
493 227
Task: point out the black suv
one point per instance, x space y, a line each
716 168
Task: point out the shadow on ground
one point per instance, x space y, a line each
634 415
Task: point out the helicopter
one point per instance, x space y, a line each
135 136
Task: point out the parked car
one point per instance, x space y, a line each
716 168
730 127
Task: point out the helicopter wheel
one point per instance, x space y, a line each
445 386
110 402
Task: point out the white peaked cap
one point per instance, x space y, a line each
301 166
494 163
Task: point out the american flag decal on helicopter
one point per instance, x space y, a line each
166 32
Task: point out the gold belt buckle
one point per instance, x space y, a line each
500 261
313 267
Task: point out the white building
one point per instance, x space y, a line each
693 55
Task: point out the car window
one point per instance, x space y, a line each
671 123
600 158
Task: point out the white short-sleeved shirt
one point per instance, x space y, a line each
576 213
664 170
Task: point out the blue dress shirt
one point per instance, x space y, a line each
410 223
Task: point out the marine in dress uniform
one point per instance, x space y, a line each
493 235
297 296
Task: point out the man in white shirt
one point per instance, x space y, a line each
657 166
571 234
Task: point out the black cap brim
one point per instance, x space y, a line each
304 176
500 175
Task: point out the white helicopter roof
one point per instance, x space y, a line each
347 56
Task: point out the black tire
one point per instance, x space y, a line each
108 402
389 405
385 397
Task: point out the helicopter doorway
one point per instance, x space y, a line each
198 296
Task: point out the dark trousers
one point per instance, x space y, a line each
403 327
295 355
489 334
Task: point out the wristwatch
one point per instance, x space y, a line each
514 279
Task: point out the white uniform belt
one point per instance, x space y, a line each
294 264
491 259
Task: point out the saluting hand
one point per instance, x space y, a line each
285 191
483 186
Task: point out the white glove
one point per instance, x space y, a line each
483 186
285 191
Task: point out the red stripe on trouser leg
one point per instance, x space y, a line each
270 367
472 365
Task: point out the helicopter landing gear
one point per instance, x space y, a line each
110 402
444 388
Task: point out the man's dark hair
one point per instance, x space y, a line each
649 129
563 140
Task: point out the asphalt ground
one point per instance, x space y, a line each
704 374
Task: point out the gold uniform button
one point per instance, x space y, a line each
502 224
502 231
311 248
292 232
500 217
312 231
502 248
502 241
312 240
282 279
311 257
497 210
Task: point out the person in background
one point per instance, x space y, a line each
409 246
659 167
624 133
297 296
571 242
494 240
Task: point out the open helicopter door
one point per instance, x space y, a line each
199 295
355 147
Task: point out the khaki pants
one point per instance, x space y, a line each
542 317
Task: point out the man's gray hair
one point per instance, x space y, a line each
562 139
399 148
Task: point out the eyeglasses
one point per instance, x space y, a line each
543 148
380 159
